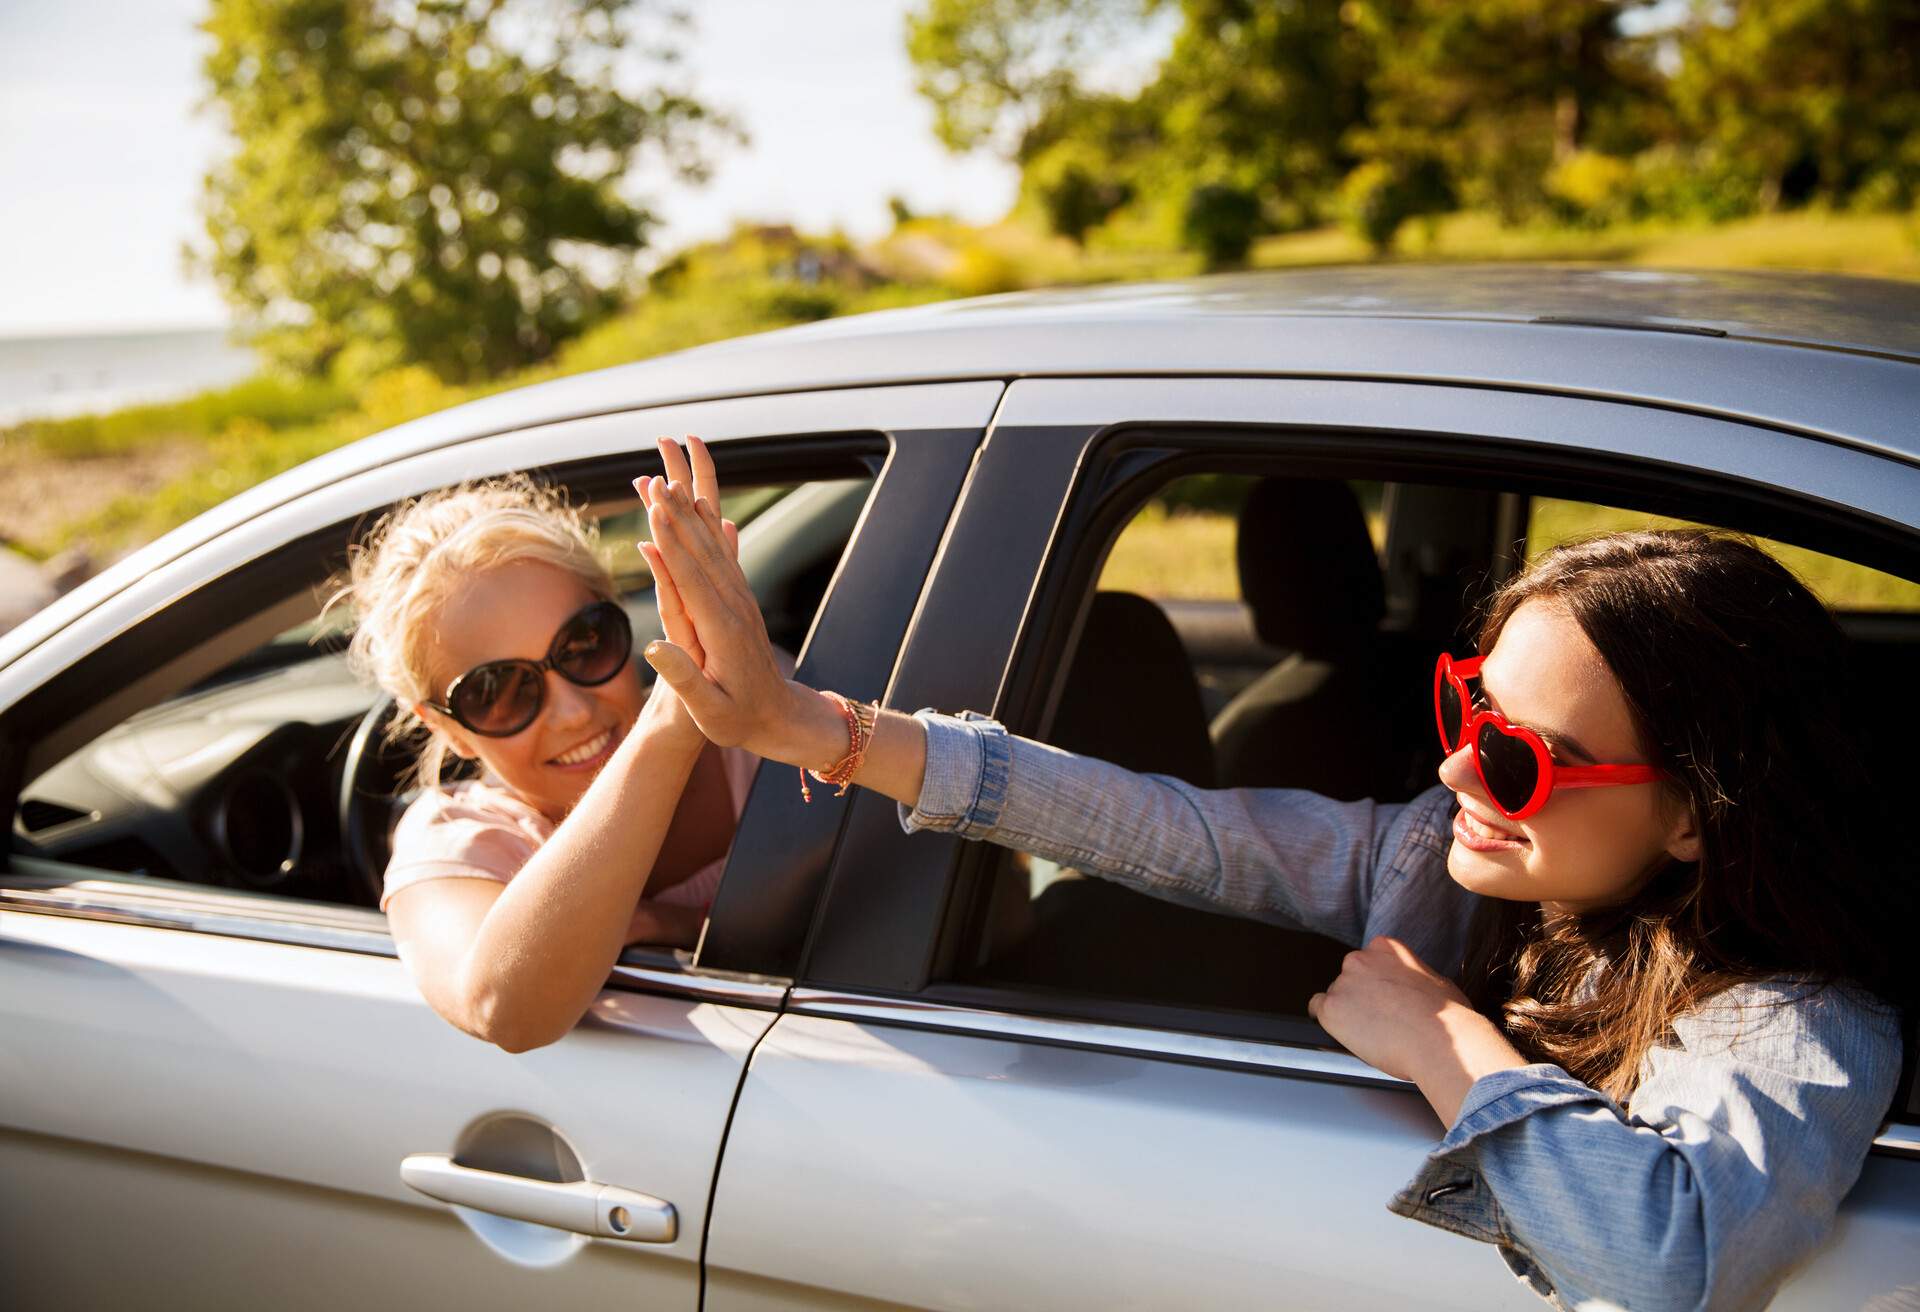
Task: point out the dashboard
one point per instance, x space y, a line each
236 785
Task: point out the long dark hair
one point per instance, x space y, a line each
1736 677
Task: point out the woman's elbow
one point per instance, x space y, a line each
515 1038
509 1022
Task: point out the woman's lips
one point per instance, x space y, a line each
1479 836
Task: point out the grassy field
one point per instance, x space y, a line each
1872 245
1841 585
229 439
1189 555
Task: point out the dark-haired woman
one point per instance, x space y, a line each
1638 948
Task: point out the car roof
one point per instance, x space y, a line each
1833 357
1868 315
1763 346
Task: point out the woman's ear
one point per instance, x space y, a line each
1683 839
458 742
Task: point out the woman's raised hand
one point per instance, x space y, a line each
674 621
716 654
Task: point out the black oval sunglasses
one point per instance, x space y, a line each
500 698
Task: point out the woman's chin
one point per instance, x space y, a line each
1490 874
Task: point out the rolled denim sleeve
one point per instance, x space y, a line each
1280 855
1723 1174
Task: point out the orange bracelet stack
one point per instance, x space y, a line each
860 719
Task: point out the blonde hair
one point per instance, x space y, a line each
418 556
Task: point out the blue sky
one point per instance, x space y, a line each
101 150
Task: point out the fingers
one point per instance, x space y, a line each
706 483
651 487
709 706
684 539
674 462
710 516
674 621
709 584
1314 1004
682 674
677 515
692 468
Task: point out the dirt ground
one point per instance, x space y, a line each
39 494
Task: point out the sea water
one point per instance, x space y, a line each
49 377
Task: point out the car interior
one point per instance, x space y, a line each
1341 595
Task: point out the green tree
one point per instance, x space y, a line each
1091 162
1382 194
1253 100
1819 98
995 71
1500 90
431 181
1260 97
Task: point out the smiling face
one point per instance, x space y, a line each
1587 847
513 611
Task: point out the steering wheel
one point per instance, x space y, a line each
370 797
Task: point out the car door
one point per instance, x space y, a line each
211 1098
915 1132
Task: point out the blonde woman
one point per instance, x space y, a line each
600 815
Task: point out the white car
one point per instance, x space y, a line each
898 1070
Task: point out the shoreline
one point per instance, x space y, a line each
62 375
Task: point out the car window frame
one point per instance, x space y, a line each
927 447
1095 447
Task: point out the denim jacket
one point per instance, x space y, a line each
1722 1172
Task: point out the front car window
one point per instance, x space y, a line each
236 781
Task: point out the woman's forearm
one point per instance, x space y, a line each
543 951
1463 1046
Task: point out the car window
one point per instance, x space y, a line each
1179 550
1263 632
235 782
1842 584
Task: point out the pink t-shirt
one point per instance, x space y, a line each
477 829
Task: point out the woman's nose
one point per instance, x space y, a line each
567 703
1457 772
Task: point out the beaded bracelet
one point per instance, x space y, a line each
860 718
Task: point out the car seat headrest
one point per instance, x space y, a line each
1131 697
1307 565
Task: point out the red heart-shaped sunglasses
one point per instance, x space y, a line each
1512 760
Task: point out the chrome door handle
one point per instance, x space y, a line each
584 1207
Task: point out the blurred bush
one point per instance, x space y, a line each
1221 222
1591 188
1381 195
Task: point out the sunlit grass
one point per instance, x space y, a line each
1186 555
1189 556
1840 584
1876 245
